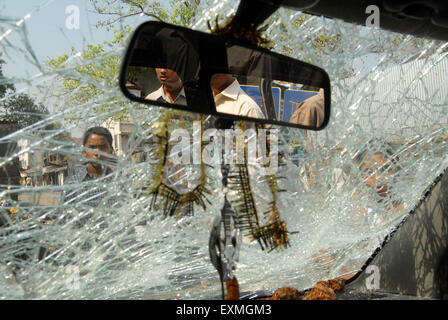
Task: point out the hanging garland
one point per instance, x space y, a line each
173 201
273 235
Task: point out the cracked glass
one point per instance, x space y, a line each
344 189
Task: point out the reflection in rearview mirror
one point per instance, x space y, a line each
184 69
157 84
171 88
268 99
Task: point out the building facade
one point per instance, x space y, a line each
121 130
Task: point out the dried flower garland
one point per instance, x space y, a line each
173 202
273 235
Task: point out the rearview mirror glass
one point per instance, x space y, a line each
184 69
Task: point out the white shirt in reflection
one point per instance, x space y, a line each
233 100
160 94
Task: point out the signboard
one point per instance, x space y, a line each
291 101
293 98
255 93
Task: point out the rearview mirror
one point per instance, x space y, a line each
180 68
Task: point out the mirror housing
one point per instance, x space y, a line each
179 68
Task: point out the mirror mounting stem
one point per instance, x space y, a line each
246 15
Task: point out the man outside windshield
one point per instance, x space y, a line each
99 139
377 165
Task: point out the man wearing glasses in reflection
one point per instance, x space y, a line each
172 89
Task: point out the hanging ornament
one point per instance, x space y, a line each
170 200
274 234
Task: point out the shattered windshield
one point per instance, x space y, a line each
133 224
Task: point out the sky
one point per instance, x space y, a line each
51 30
48 31
49 34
